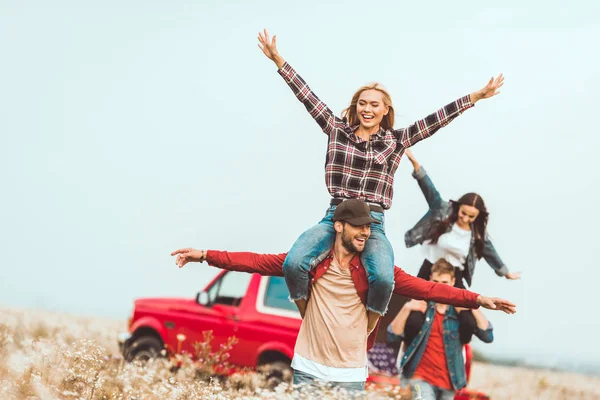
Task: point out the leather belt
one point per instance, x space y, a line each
374 207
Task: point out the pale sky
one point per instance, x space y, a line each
131 128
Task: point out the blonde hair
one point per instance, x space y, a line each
350 113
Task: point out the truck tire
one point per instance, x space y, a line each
277 372
144 349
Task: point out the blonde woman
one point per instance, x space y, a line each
363 153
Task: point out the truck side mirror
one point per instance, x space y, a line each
202 298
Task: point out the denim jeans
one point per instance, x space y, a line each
422 390
308 382
377 258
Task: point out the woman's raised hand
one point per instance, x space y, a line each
412 159
269 48
490 90
513 275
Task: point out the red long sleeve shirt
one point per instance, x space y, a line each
405 284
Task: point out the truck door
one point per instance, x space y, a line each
222 312
271 320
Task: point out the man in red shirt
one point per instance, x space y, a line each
432 363
333 339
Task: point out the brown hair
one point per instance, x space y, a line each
479 225
442 266
350 113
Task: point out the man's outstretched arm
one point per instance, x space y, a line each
264 264
405 284
420 289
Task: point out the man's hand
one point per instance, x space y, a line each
269 47
513 275
490 90
187 255
494 303
416 305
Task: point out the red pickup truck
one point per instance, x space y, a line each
253 308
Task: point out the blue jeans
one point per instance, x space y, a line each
422 390
309 382
316 242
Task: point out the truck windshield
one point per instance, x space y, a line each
230 289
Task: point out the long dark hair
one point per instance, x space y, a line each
478 227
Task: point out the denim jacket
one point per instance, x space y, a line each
452 345
439 209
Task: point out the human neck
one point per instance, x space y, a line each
365 133
341 254
441 308
463 227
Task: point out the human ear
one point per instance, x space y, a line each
338 226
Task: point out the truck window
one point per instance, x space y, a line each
277 294
230 289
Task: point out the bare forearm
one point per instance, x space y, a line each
412 160
415 164
482 322
475 97
279 61
399 322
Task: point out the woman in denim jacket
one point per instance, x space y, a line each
455 231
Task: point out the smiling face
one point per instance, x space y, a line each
353 237
371 108
466 216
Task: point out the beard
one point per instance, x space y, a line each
347 242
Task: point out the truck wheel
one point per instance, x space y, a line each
277 372
144 349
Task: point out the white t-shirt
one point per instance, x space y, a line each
453 246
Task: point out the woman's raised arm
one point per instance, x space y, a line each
315 107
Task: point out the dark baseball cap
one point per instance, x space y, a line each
355 212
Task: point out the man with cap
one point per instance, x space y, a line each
334 337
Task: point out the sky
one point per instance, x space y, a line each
131 128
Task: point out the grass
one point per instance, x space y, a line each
48 356
52 356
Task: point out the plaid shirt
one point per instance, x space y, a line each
357 168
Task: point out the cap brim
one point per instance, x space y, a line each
362 221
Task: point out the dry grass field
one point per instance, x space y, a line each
45 355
